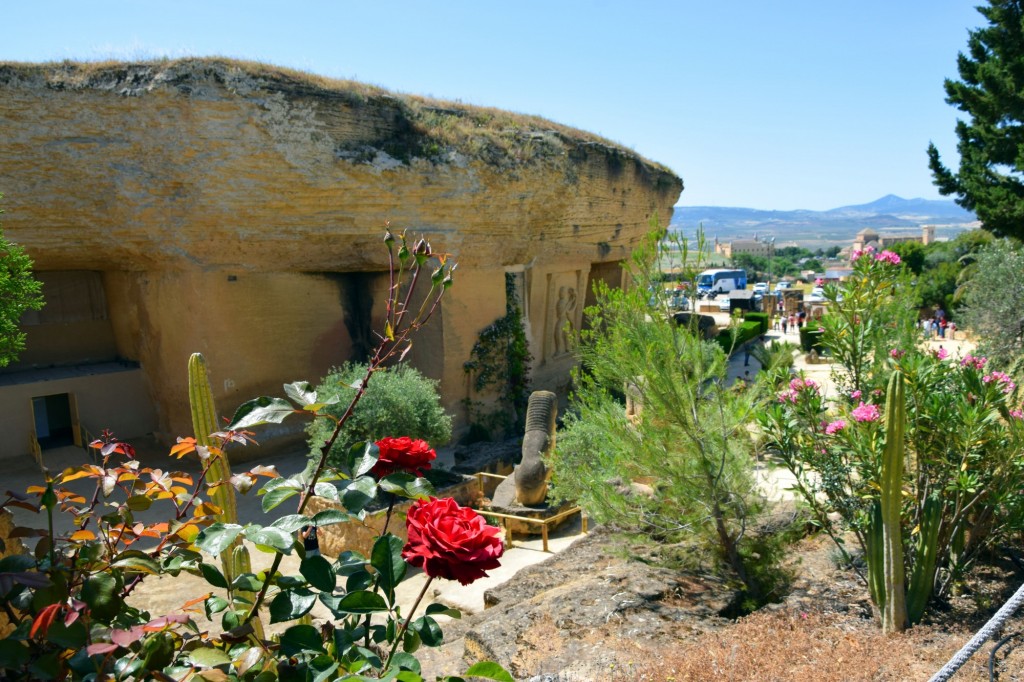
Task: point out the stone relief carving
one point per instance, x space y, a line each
563 313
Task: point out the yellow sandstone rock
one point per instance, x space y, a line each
237 210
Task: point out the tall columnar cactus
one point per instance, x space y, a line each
894 607
235 559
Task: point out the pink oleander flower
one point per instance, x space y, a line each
896 353
821 330
835 427
799 384
888 257
818 282
866 412
1002 378
858 253
788 396
941 353
855 395
1017 414
975 362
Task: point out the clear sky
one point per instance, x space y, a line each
778 104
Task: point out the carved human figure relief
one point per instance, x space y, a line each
565 308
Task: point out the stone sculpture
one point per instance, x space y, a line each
531 473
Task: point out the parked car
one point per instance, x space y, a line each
817 295
761 288
724 304
780 287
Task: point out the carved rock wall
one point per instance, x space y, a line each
238 211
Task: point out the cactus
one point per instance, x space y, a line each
894 608
875 556
922 576
235 559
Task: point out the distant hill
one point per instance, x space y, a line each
838 225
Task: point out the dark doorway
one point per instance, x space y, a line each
54 425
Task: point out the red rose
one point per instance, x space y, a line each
402 454
449 541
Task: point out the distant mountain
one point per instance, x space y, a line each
837 225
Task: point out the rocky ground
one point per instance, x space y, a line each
590 613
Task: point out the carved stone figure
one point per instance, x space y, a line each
531 473
564 308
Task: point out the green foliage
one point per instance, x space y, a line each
760 318
399 401
682 465
988 181
19 291
810 339
69 600
500 360
732 338
949 478
993 301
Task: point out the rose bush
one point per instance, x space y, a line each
451 542
67 602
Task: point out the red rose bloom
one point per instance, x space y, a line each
402 454
449 541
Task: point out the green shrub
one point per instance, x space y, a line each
761 318
398 402
734 337
810 339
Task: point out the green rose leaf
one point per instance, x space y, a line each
213 575
139 503
262 410
135 561
435 609
13 654
214 604
362 602
269 536
329 517
217 537
272 498
326 490
291 604
101 592
359 492
301 393
366 460
318 572
208 657
292 522
247 582
386 557
300 638
359 580
489 670
429 631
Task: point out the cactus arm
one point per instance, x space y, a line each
875 556
235 559
894 611
922 576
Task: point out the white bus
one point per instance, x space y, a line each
720 281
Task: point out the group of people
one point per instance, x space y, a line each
792 321
937 325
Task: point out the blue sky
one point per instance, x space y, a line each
773 105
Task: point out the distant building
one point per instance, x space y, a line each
754 247
868 237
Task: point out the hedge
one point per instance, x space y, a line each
758 317
746 331
810 339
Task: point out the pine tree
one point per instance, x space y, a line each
990 180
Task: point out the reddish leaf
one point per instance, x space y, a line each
44 619
127 637
100 648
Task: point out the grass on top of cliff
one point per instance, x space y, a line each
480 132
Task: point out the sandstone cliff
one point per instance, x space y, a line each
237 210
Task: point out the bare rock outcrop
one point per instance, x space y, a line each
237 210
